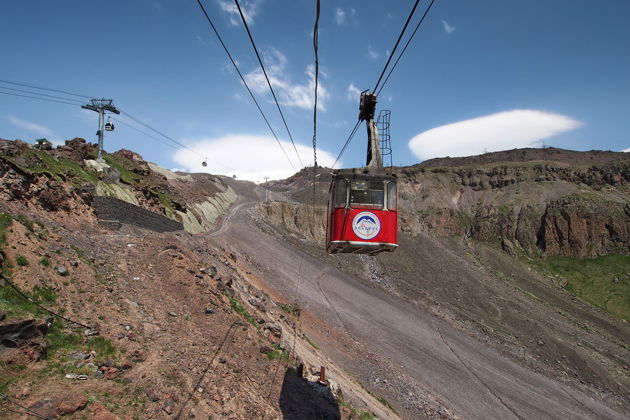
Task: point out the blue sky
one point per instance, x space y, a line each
478 76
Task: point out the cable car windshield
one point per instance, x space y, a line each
365 192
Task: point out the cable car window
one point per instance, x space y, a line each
369 193
391 195
339 198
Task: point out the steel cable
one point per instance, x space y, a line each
315 49
42 94
405 48
49 89
41 99
413 10
216 32
262 66
18 291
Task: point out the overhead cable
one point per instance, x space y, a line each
41 99
413 10
159 140
405 48
49 89
343 149
391 55
262 66
315 49
216 32
156 131
41 94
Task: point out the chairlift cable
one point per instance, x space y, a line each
41 99
216 32
49 89
42 94
159 140
262 66
156 131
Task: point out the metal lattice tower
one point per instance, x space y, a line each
100 106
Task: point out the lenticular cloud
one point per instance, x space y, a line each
500 131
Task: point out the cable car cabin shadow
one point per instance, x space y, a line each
362 212
301 399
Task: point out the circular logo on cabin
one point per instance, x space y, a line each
366 225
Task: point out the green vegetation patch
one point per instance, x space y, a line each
290 309
603 281
277 354
44 295
58 167
45 261
309 341
239 309
379 399
126 175
80 254
5 222
21 260
358 413
28 224
167 203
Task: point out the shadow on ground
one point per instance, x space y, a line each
304 400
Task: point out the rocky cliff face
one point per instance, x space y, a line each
307 220
554 207
59 179
573 203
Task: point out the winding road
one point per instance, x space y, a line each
410 344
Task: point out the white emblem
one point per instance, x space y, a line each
366 225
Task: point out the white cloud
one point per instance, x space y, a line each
353 93
626 150
248 157
288 93
448 28
30 126
372 54
38 129
249 8
500 131
340 16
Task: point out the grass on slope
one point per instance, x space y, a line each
60 167
603 281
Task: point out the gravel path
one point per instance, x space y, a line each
417 350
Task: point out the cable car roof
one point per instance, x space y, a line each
363 173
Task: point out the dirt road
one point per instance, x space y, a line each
402 350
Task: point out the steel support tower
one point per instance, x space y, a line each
100 106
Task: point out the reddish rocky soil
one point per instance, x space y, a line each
193 336
207 326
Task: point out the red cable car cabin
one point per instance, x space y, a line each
362 213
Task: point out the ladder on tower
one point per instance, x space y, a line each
383 132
